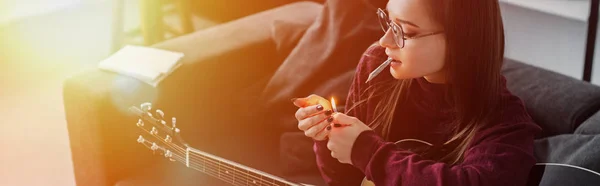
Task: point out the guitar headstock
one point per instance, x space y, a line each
161 136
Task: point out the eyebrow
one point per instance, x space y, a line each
402 21
406 22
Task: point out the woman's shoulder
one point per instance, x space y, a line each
511 124
512 110
512 106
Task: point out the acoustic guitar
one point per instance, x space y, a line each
165 139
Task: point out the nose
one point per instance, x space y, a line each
387 40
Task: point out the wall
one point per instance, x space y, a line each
549 40
11 10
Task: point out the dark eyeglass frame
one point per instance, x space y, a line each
399 36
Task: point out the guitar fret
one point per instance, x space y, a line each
214 175
204 164
254 178
227 172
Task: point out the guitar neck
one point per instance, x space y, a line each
228 171
225 170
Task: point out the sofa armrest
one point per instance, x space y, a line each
102 134
99 131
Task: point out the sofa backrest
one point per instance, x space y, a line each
558 103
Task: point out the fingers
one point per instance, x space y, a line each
323 134
307 112
309 122
318 129
313 116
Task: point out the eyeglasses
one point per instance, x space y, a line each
399 37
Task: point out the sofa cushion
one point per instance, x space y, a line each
572 150
559 104
590 126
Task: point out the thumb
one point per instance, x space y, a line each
340 118
300 102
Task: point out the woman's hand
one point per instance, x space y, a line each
343 135
314 116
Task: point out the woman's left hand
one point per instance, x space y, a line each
344 131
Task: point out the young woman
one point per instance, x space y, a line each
444 101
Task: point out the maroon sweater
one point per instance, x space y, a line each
500 154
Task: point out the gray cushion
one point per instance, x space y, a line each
570 149
590 126
559 104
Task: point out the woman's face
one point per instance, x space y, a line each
420 57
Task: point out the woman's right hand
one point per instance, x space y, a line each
314 116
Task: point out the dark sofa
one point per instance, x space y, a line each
214 97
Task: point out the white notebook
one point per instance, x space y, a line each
149 65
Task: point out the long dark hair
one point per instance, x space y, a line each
474 53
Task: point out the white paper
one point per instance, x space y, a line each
147 64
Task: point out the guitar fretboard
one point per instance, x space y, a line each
230 172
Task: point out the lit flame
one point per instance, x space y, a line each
333 104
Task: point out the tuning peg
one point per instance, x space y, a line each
168 139
146 106
140 123
168 154
174 122
141 139
154 147
154 131
160 114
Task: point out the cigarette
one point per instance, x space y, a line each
379 69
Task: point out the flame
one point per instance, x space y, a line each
333 104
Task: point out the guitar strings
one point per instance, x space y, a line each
210 164
228 178
195 158
181 150
223 177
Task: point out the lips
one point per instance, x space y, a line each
388 53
